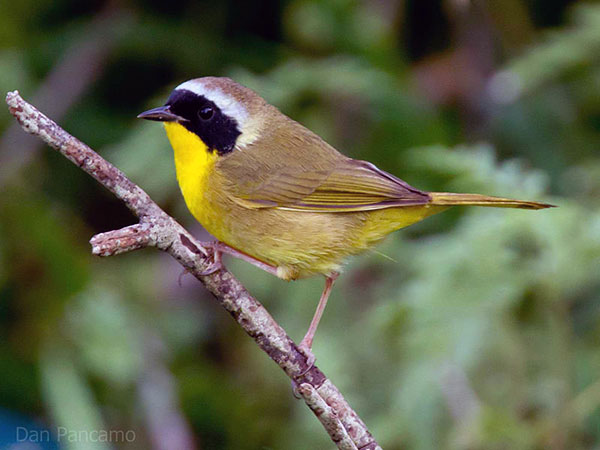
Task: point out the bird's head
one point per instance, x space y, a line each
222 113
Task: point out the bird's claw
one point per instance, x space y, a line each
305 349
216 264
183 273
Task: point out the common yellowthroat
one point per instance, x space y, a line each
276 194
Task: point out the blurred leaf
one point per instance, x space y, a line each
564 51
69 398
107 334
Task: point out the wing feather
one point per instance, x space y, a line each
350 185
312 176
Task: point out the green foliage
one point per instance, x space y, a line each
476 329
564 52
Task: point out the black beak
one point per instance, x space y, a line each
161 114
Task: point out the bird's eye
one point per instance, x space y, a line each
206 113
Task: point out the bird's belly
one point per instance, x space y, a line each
300 243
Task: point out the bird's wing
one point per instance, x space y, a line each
347 185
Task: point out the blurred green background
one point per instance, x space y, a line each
476 329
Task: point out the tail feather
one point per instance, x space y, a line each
450 199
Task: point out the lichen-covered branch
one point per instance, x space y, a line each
157 229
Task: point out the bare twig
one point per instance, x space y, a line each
157 229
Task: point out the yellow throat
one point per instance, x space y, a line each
193 163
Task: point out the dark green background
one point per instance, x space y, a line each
476 329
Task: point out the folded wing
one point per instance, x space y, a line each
350 185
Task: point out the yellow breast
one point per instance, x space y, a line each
194 165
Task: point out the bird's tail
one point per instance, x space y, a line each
452 199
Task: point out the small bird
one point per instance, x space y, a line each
277 195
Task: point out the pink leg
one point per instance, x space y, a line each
307 341
219 248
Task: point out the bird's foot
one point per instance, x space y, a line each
305 349
213 253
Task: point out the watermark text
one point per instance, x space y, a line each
63 434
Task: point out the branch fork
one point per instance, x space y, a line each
157 229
